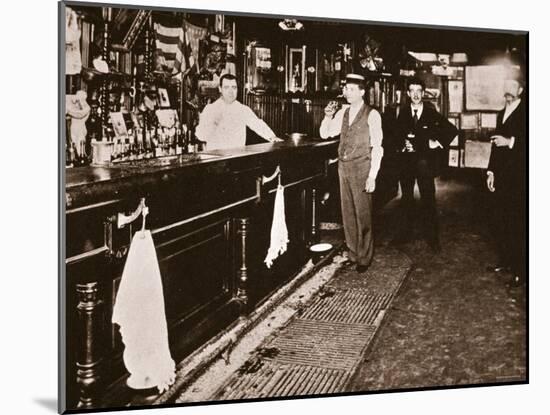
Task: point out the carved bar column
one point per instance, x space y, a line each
104 100
89 353
242 283
147 69
148 54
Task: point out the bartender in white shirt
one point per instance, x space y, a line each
223 123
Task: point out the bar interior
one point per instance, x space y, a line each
137 82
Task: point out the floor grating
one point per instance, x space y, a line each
320 348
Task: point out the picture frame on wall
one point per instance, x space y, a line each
456 96
168 294
119 125
485 87
469 121
164 100
488 120
296 69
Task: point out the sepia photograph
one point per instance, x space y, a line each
269 206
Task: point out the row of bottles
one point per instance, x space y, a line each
140 143
148 143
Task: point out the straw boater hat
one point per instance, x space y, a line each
353 78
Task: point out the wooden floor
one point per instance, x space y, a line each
453 323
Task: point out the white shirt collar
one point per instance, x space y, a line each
510 108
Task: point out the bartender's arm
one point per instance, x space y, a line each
207 123
260 127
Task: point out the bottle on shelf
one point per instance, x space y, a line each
178 141
69 155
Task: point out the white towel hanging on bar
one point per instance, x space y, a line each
139 311
279 232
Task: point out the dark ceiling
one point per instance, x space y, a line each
395 39
478 44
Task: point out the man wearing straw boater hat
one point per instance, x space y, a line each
359 153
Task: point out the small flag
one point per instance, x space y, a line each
170 41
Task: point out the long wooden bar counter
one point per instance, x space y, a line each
210 216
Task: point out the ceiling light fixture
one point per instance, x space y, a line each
290 24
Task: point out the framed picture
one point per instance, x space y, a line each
453 157
488 120
164 100
296 69
476 154
456 96
469 121
119 125
182 279
485 87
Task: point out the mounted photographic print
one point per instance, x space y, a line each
119 126
233 226
485 86
164 100
456 96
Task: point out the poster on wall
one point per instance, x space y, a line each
456 96
488 120
485 87
476 154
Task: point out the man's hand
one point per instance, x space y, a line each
330 110
275 139
491 181
433 144
500 141
370 185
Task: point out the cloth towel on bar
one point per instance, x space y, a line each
279 232
139 311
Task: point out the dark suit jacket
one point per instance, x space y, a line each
510 164
431 125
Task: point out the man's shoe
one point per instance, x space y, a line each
361 268
348 263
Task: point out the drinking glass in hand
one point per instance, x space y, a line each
408 148
331 108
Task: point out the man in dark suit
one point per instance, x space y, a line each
506 180
420 131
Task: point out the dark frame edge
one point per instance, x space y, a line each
106 3
61 280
